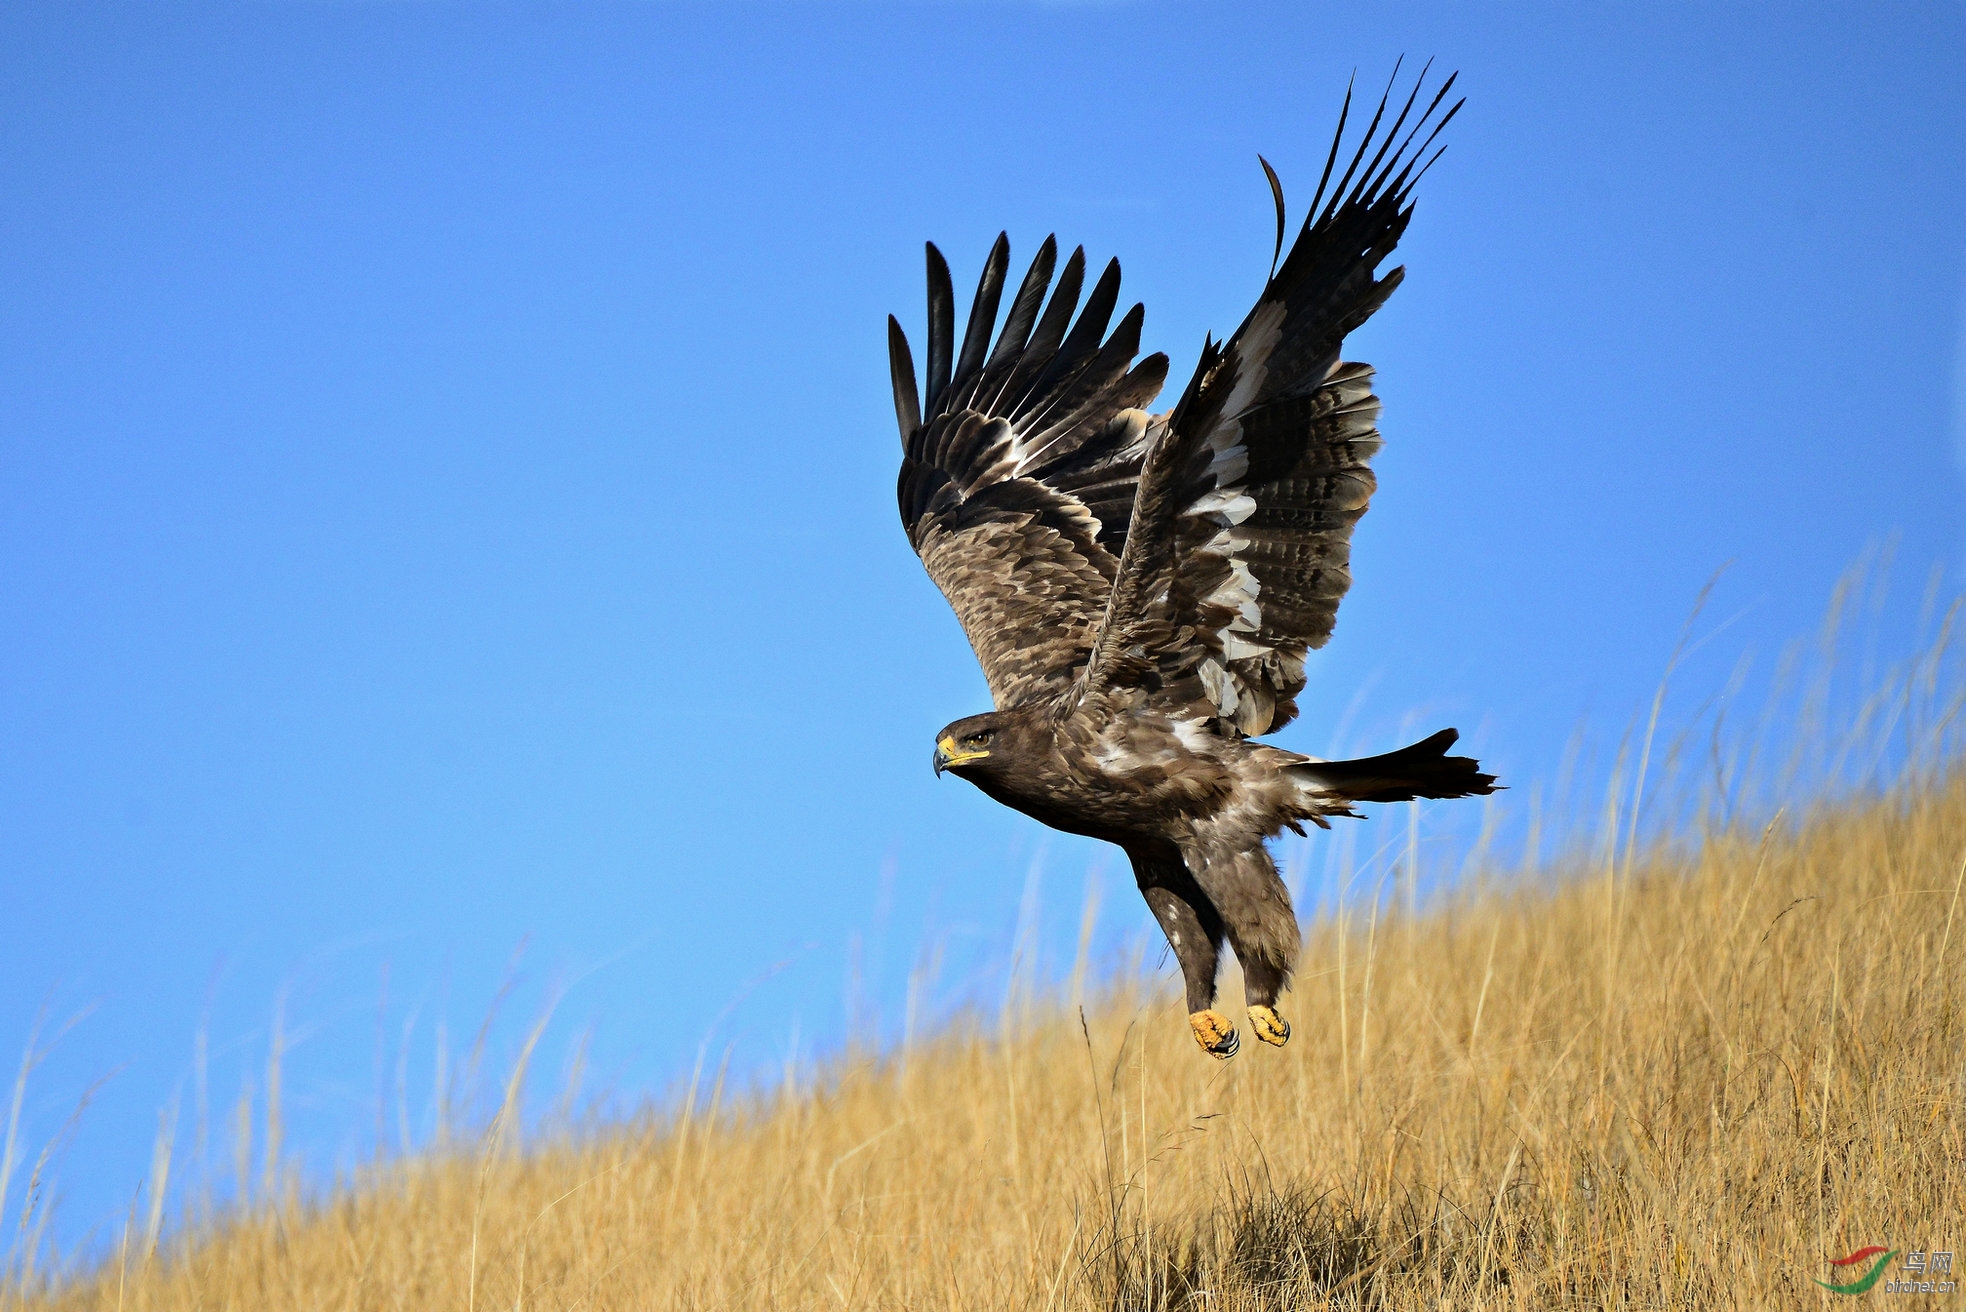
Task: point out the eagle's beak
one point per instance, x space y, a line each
947 755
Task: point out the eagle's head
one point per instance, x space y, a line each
966 745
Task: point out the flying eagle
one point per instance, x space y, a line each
1141 588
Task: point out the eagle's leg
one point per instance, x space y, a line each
1261 927
1194 932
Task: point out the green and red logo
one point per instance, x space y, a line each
1862 1283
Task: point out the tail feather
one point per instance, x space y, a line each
1422 770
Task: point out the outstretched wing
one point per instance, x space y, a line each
1020 465
1241 543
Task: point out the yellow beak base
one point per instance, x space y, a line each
948 755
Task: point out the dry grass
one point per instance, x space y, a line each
1684 1082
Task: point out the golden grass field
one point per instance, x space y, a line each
1683 1079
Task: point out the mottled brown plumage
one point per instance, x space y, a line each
1141 589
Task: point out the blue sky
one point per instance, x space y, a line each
446 476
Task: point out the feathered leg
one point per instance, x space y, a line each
1261 927
1194 930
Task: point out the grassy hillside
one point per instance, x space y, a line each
1686 1083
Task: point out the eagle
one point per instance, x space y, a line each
1141 588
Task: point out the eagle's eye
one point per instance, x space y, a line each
977 741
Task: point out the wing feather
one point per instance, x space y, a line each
941 326
1043 345
901 371
983 310
1024 309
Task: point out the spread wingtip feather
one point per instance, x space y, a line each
901 369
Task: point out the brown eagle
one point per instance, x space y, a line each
1141 588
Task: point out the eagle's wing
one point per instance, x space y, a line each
1241 542
1021 462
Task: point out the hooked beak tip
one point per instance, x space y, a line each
948 755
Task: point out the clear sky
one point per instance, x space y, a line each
446 472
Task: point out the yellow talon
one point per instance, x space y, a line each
1269 1027
1213 1032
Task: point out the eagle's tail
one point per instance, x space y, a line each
1421 770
